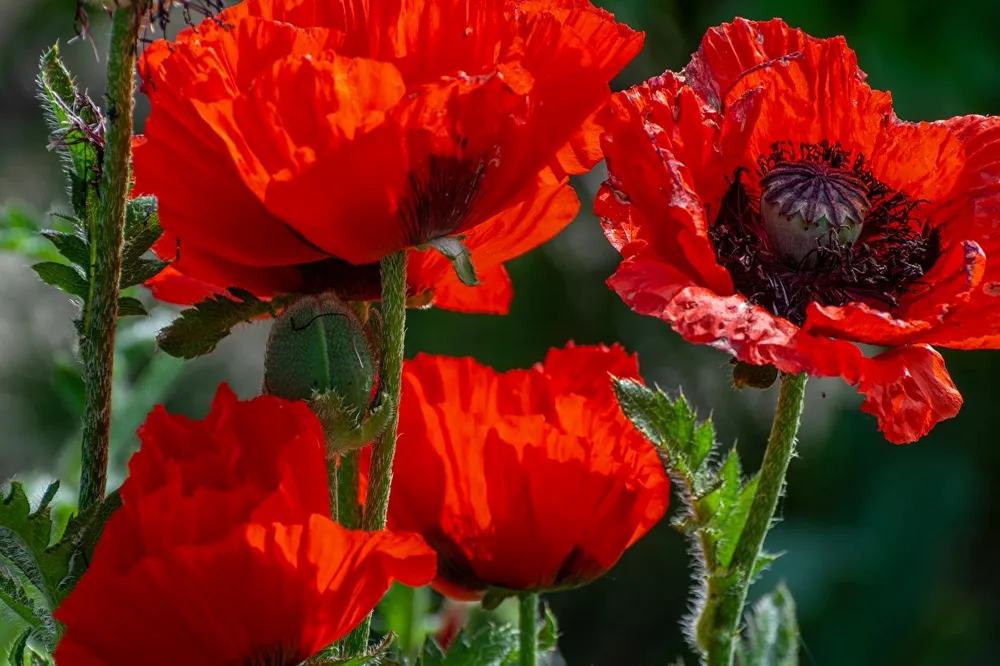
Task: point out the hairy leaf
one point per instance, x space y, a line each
72 246
377 654
198 330
671 425
772 634
142 230
16 598
131 307
25 536
63 276
490 645
548 639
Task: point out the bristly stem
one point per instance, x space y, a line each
529 628
780 448
347 490
391 379
97 339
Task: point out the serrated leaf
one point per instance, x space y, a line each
131 307
137 271
80 538
71 246
763 562
139 214
375 655
489 645
670 424
772 634
75 127
25 536
54 76
548 638
731 521
24 540
198 330
142 230
63 276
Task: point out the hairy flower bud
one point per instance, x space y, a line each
318 346
809 205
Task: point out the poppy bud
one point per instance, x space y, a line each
809 205
319 346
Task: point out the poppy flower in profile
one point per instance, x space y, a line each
292 145
523 480
223 551
769 203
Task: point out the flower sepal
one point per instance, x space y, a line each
344 427
455 251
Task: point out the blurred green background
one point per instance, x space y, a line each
892 552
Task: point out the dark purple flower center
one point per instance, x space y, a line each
821 229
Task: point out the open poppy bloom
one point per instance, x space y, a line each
769 203
523 480
292 145
223 551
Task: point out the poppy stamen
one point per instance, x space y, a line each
821 229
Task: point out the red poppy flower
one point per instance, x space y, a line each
523 480
223 551
293 144
769 203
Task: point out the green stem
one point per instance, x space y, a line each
97 340
333 483
391 379
780 448
347 490
529 629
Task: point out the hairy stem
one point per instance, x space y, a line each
780 448
384 449
97 340
347 490
529 628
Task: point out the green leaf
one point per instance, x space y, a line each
671 425
772 634
72 246
406 611
131 307
454 250
140 214
16 598
763 562
198 330
24 541
54 76
17 649
137 271
377 654
75 127
63 276
489 645
25 536
142 230
548 638
80 538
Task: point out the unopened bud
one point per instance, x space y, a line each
319 346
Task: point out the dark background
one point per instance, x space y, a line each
892 552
